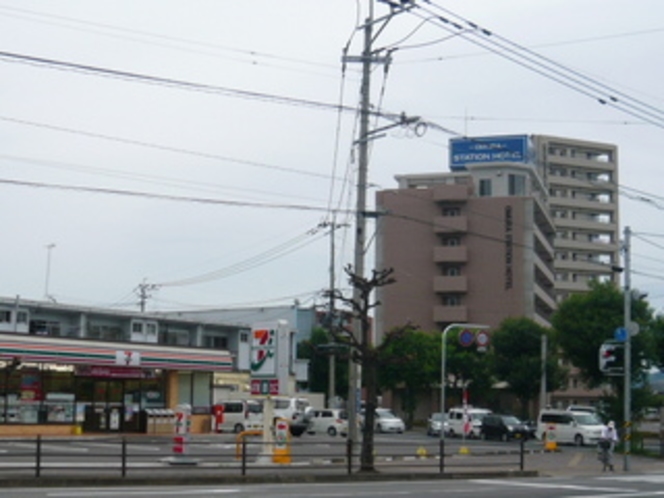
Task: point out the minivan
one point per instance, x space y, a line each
295 410
240 415
563 426
456 421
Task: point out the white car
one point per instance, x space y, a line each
387 421
332 421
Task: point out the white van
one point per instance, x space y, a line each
567 426
294 410
240 415
456 420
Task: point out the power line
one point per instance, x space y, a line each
525 57
148 195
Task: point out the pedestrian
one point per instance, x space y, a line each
607 444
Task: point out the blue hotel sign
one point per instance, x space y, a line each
483 150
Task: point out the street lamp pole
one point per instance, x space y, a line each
443 373
627 388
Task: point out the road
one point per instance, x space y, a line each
618 486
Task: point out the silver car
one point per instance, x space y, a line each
434 423
387 421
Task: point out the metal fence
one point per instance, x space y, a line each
135 456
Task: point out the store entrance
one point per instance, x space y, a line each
105 412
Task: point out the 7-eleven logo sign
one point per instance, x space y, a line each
263 351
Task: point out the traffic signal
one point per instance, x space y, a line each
611 358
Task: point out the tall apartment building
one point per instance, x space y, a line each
518 224
582 178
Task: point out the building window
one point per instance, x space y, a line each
137 327
22 317
451 300
244 337
216 342
517 185
451 241
485 187
44 327
451 211
452 271
5 316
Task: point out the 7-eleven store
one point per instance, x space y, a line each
64 386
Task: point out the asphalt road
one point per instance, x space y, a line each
606 486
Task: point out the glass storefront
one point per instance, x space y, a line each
99 398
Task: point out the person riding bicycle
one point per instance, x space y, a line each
607 443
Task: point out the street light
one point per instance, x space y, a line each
443 375
49 248
627 379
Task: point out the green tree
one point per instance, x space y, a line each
411 363
467 367
584 321
317 349
516 359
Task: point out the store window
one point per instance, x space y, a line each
31 393
195 389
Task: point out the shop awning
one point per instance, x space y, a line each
81 352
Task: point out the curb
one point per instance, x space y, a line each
63 482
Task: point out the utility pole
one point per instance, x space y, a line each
331 393
542 401
143 291
629 328
354 374
365 135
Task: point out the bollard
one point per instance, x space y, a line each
550 439
182 426
281 452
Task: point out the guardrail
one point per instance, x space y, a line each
139 456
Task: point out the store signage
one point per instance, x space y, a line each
110 372
128 358
484 150
264 387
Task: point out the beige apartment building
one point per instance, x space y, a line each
518 224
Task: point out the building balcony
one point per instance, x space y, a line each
581 162
587 246
579 204
450 314
445 284
451 193
450 224
450 254
586 225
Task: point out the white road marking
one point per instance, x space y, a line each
51 447
553 485
146 492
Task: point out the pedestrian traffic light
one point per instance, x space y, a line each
611 358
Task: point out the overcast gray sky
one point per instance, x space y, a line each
245 178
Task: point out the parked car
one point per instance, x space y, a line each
332 421
434 423
239 415
386 421
531 425
295 411
469 418
503 427
566 426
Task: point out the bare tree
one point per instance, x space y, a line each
362 350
